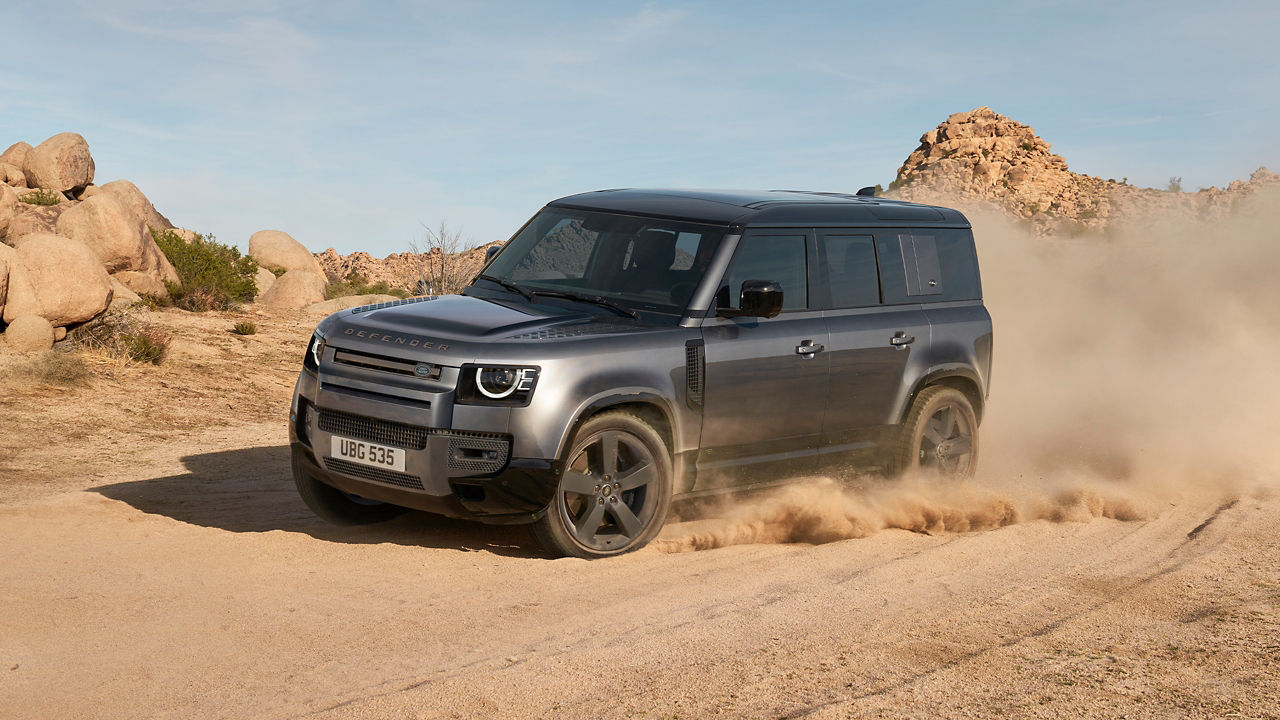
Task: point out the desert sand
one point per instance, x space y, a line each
1117 555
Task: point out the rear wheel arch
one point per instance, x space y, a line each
961 378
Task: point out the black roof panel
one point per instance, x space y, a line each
762 207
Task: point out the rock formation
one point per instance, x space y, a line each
405 271
982 158
62 235
294 290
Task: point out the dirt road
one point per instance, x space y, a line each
187 580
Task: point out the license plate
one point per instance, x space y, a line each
367 453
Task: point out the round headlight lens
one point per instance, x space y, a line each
497 383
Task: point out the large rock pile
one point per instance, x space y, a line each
981 157
66 244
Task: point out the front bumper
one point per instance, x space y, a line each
458 473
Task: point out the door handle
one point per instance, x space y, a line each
901 338
808 348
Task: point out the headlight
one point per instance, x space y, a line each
496 385
311 360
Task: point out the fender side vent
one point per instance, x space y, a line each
694 373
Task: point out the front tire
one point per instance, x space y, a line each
938 437
338 507
614 493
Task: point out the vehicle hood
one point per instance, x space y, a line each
456 324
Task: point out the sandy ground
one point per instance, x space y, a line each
158 563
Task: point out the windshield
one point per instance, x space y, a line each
647 264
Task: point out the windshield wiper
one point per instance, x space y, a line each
593 299
508 285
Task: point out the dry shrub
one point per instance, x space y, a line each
122 337
245 327
52 367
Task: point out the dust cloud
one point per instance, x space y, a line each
1133 371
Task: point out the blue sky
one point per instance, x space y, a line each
351 125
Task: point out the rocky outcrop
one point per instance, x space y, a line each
981 158
294 290
61 164
276 250
404 271
29 334
57 278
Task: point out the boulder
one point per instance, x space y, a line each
34 219
328 307
7 256
29 334
294 290
276 250
109 227
60 163
12 175
121 296
8 207
59 334
89 191
264 280
141 283
138 203
16 154
57 278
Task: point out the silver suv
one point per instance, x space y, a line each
628 346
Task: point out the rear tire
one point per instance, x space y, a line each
337 507
939 436
614 493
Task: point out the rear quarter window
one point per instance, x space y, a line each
927 265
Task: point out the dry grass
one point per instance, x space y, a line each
122 338
57 368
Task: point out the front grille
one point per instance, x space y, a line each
694 372
383 432
478 453
382 363
389 477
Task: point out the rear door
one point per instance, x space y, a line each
877 328
766 378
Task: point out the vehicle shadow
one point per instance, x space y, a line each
252 490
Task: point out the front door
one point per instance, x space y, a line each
766 378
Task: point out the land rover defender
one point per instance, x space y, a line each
628 346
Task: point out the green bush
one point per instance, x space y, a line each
214 276
245 327
42 197
360 285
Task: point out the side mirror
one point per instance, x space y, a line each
760 298
491 251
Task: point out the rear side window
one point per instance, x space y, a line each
778 258
851 270
922 266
